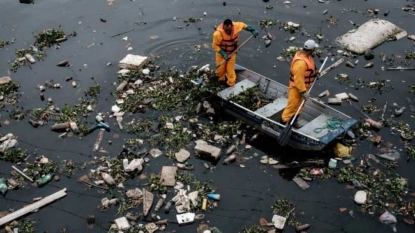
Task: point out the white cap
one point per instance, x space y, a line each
310 44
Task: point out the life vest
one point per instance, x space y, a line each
309 75
229 43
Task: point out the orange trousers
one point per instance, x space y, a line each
294 101
227 68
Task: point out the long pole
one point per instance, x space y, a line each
236 50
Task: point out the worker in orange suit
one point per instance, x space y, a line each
302 76
225 41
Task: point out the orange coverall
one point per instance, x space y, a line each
294 92
228 67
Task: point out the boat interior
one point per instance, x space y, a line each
314 115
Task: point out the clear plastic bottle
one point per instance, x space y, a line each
3 186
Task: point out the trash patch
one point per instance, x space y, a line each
369 35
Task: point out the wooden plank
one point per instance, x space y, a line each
27 209
272 108
236 89
168 176
301 183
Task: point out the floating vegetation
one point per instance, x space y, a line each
44 39
254 229
160 92
380 187
41 167
75 113
171 135
22 226
9 88
252 98
269 7
333 20
48 37
410 151
265 23
370 108
284 208
14 155
191 20
410 55
154 184
3 43
290 26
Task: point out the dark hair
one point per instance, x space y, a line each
227 22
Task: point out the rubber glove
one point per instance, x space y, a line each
252 30
224 55
305 95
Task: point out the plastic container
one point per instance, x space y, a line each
333 163
3 186
213 196
44 180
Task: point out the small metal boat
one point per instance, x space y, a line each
316 117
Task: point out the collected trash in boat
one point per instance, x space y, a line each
369 35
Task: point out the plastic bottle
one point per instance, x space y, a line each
333 163
3 186
167 207
44 180
373 124
204 204
214 196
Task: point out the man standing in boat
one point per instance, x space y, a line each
225 41
302 75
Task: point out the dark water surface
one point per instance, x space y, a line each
246 193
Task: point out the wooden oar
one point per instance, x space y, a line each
286 133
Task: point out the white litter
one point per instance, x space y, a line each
360 197
369 35
279 221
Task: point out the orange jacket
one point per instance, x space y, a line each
228 43
302 72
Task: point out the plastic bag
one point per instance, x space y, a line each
342 151
389 219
